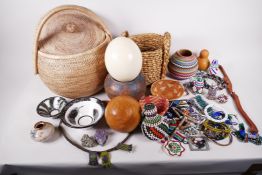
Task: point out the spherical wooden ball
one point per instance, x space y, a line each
123 114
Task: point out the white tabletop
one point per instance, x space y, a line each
231 31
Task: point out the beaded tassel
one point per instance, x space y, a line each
93 158
125 147
106 163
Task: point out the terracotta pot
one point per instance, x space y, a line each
203 61
135 88
42 131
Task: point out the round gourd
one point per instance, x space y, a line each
123 59
123 114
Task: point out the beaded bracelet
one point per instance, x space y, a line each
214 115
220 83
215 131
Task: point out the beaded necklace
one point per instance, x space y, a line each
94 155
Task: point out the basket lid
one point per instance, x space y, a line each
71 31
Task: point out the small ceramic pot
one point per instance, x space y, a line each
135 88
183 64
42 131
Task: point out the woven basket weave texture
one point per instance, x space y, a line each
69 51
155 51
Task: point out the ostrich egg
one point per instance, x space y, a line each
123 59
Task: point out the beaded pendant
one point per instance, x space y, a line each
212 92
198 85
101 136
213 68
222 98
88 141
173 148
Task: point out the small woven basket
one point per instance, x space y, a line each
155 51
69 51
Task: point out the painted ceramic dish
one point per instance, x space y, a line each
161 103
51 107
83 112
169 89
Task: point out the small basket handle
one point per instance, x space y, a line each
166 47
83 10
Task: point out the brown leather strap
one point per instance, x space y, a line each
252 126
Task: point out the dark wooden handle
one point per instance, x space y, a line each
252 126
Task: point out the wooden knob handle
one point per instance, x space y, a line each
70 28
125 34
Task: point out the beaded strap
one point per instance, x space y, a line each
220 82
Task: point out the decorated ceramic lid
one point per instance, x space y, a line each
169 89
71 31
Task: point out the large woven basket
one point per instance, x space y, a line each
155 51
69 51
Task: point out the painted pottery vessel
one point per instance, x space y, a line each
123 113
51 107
83 112
183 65
135 88
203 61
42 131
